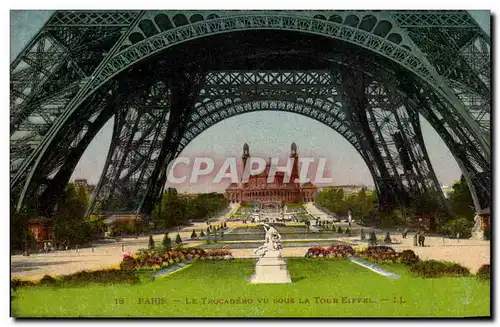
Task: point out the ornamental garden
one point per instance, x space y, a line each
337 280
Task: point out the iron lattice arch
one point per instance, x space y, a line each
367 75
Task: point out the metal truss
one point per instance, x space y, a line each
139 132
63 81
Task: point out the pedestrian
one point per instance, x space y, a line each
415 239
422 239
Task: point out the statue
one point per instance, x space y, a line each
272 241
270 268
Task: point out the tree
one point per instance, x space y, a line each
460 225
363 236
69 217
339 230
308 224
208 230
193 234
167 242
387 238
178 239
151 243
202 233
461 200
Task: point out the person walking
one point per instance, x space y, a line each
422 239
405 232
415 239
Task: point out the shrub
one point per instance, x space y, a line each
193 234
102 276
151 243
128 262
47 279
434 268
339 230
372 238
178 239
201 233
484 272
387 238
409 257
167 242
16 282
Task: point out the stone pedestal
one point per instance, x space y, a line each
271 269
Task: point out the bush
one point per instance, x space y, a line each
387 238
107 276
178 239
339 230
16 282
372 238
484 272
193 234
434 268
47 279
128 262
167 242
201 233
151 243
409 257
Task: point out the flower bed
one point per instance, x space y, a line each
484 272
434 268
383 254
162 258
380 254
333 251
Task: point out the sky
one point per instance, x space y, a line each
267 133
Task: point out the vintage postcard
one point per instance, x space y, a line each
250 163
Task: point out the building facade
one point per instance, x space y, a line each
259 190
42 230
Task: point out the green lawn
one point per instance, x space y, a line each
312 279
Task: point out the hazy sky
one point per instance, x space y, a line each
267 133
